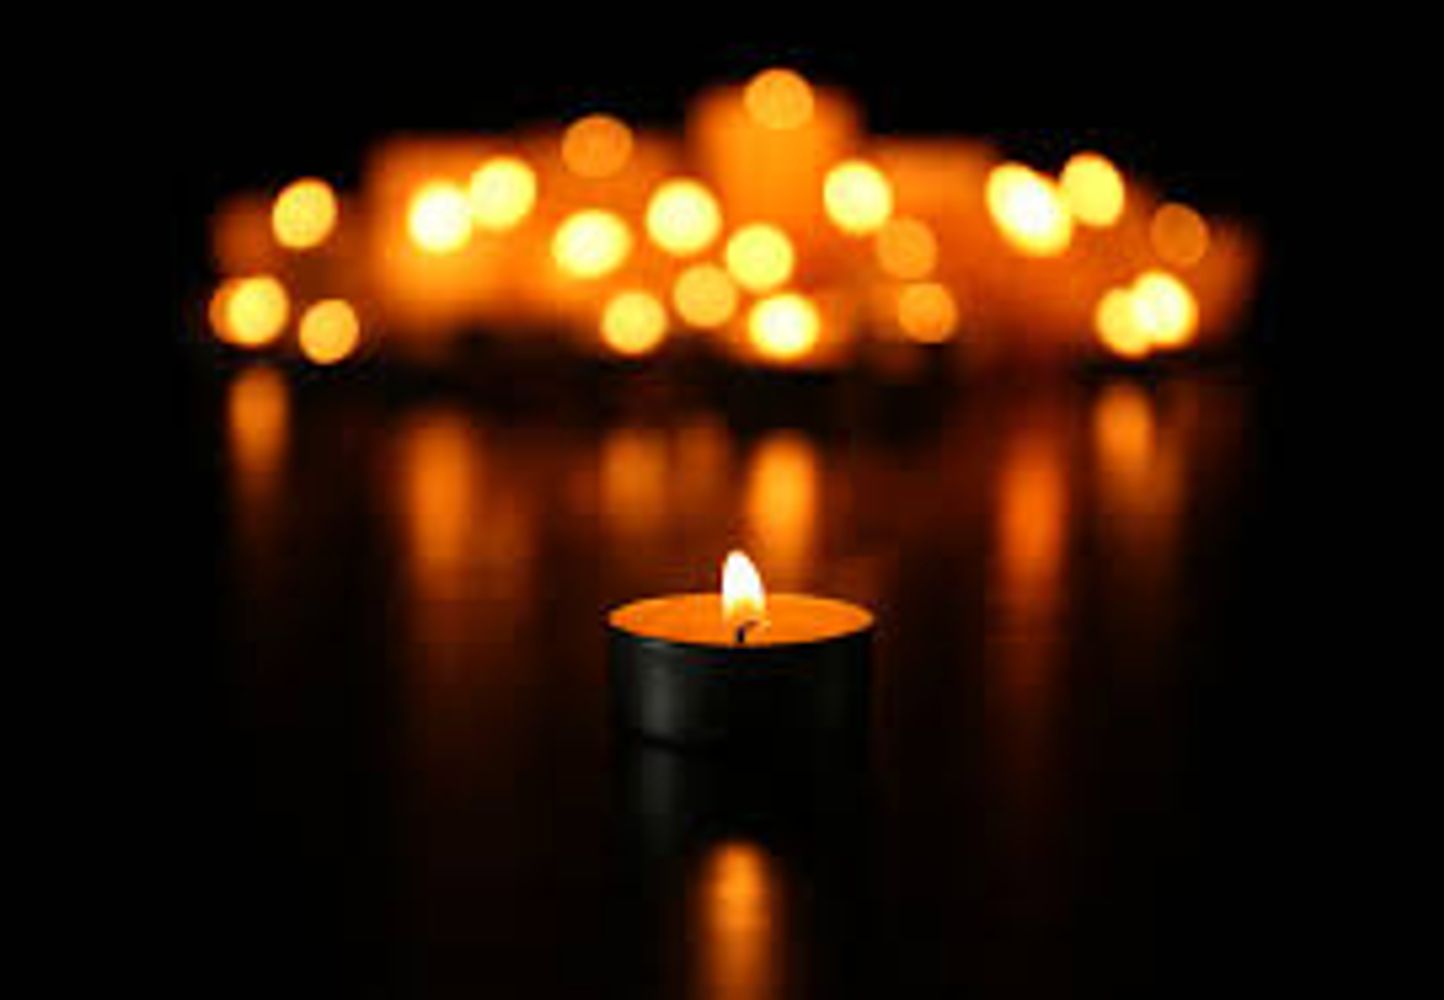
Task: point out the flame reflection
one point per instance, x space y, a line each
739 941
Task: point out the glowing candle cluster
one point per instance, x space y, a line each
771 230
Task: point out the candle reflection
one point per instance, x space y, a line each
781 507
634 478
739 941
258 419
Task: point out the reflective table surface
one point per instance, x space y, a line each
406 779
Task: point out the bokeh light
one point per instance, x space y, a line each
250 312
1028 210
304 214
1116 326
439 217
906 248
1093 189
1179 235
1165 309
591 243
705 296
683 217
927 312
329 331
857 196
760 257
779 99
596 146
634 323
784 327
502 192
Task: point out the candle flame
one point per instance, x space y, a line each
744 603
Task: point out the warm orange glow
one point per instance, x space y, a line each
304 214
634 323
502 193
743 600
760 257
591 243
1028 210
1164 309
906 249
784 327
596 146
1113 321
779 99
1123 432
927 313
1093 189
683 217
1179 235
258 412
741 926
857 196
705 296
780 502
439 219
250 312
329 331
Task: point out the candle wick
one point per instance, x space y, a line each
741 632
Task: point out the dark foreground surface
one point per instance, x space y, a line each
404 778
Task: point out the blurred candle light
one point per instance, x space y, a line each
927 313
304 214
683 217
779 99
1114 322
784 327
439 218
597 146
705 296
329 331
739 926
250 312
257 419
781 505
857 196
634 323
1165 309
1093 189
906 248
760 257
591 243
1179 235
502 193
1028 210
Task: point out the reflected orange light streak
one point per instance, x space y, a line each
258 417
1032 523
439 468
1123 434
781 506
739 923
635 472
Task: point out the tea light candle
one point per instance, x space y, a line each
740 666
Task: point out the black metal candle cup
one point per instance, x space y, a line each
683 674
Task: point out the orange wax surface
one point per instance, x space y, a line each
792 619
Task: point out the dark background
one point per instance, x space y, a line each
286 842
